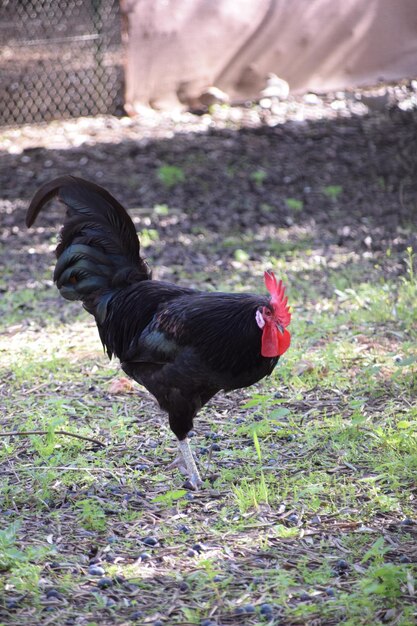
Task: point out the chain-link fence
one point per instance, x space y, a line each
59 59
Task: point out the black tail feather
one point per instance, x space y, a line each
99 250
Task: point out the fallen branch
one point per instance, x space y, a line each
22 433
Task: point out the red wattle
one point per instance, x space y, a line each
270 341
284 342
274 343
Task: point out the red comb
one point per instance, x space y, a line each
278 298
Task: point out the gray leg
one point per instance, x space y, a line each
192 471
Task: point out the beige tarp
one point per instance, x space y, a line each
177 49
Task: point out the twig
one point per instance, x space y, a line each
46 432
210 454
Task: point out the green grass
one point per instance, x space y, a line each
311 496
170 175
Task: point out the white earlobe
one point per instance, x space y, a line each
259 319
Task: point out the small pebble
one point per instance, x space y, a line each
188 485
110 557
407 522
104 582
293 518
184 586
183 528
239 420
119 579
218 578
191 552
96 570
405 559
207 622
144 556
341 565
240 610
304 596
191 433
158 623
258 418
249 608
329 592
215 447
12 604
198 547
150 541
53 593
266 609
136 615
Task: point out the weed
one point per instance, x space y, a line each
333 191
259 177
148 236
294 204
170 175
250 494
241 256
91 515
161 209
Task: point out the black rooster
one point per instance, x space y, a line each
183 345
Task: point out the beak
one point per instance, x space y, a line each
280 328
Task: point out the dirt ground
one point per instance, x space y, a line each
239 168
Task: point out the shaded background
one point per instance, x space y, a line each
101 56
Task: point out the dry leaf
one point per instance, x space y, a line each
410 583
303 367
120 385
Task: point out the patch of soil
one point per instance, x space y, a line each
347 179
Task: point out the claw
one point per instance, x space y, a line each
179 464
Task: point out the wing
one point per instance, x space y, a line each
218 330
131 314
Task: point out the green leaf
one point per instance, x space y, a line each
333 191
404 424
257 446
277 413
294 204
241 256
170 496
170 175
161 209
